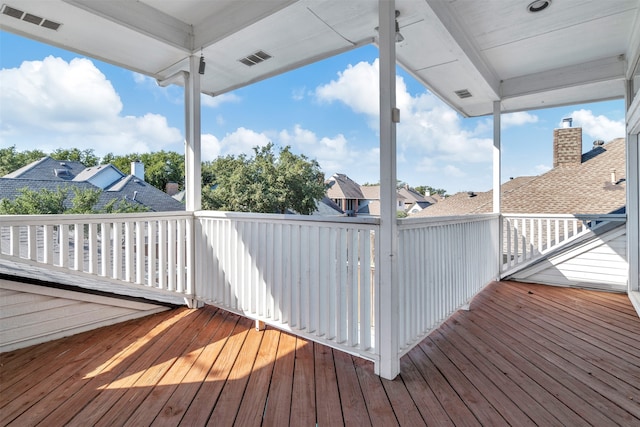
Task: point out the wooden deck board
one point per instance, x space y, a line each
524 354
280 384
176 406
582 377
303 399
354 408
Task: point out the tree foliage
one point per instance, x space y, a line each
267 182
12 159
86 157
160 167
422 189
84 201
31 202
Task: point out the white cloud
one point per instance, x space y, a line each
517 119
540 169
54 103
216 101
598 127
210 147
454 171
334 154
298 94
357 87
241 141
428 128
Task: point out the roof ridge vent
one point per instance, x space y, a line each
255 58
30 18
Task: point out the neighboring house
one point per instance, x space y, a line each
370 205
418 206
364 200
412 197
589 183
50 174
344 192
327 207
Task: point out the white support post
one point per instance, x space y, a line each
192 154
496 158
497 178
387 274
192 136
633 193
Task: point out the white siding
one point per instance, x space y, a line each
599 263
31 314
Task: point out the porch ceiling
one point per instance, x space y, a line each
571 52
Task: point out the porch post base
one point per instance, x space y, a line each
193 302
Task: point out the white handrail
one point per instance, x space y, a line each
121 247
443 263
528 237
312 277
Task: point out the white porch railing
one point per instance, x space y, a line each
306 275
528 237
312 276
443 263
148 249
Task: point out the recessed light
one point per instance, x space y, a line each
538 5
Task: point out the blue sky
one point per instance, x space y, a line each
51 98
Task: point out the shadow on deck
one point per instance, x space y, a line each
524 354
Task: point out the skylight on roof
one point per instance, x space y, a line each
30 18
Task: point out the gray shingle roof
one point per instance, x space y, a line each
42 174
411 196
584 188
10 188
48 169
343 187
134 190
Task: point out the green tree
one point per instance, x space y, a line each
12 159
44 201
160 167
268 182
86 157
422 189
31 202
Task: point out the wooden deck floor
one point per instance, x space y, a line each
523 355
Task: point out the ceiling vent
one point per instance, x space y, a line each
256 58
463 93
30 18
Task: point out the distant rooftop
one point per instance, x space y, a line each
50 174
597 185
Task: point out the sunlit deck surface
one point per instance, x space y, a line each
523 355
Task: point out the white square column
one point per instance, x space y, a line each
192 154
387 272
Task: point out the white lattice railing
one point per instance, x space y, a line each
443 262
528 237
149 249
304 274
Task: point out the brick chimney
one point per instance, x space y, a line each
172 188
567 146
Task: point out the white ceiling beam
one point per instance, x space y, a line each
633 54
235 18
607 69
143 19
468 52
292 66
